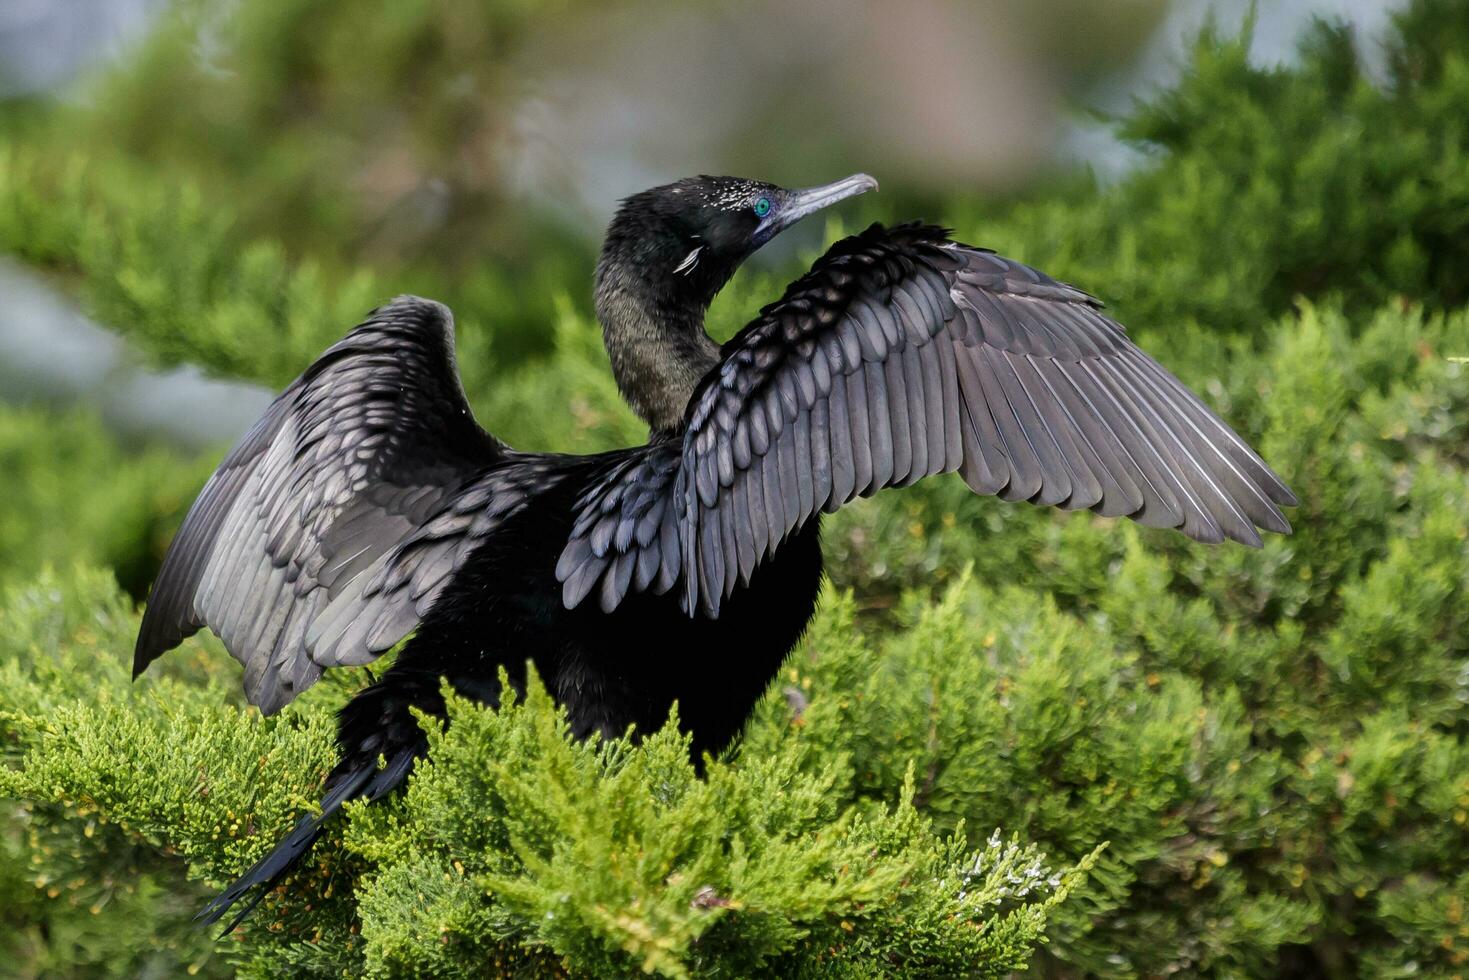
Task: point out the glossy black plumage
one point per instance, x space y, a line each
367 505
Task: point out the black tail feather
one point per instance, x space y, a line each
376 724
365 780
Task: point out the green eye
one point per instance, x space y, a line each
762 207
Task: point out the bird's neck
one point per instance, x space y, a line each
656 340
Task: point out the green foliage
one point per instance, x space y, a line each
1274 744
1268 183
69 876
365 130
83 497
513 845
1273 741
170 270
1265 184
620 859
175 272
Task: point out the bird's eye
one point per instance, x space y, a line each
762 207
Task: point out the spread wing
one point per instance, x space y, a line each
327 531
901 355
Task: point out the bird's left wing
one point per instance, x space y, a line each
901 355
328 531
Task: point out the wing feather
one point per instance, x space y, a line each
309 515
903 354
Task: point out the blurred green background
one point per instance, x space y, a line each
197 197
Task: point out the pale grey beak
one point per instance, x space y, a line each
798 204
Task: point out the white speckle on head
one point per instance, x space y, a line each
729 195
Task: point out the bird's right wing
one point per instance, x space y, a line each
328 530
903 354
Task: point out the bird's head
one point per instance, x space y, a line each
687 238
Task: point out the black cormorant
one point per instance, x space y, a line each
367 504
